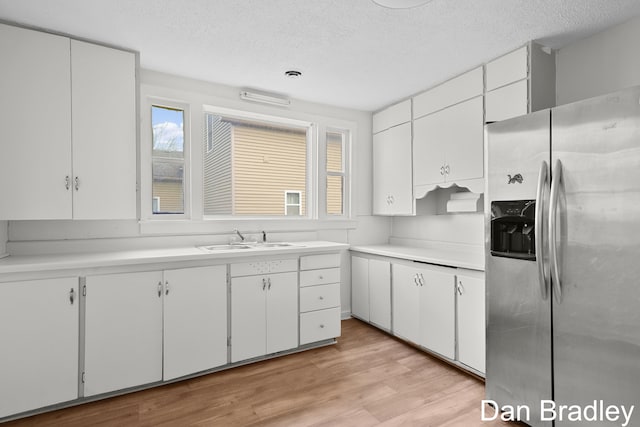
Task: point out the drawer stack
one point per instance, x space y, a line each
319 297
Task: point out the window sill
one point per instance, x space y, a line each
225 226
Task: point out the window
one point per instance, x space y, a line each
336 176
292 204
250 162
168 164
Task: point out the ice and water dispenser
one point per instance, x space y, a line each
513 229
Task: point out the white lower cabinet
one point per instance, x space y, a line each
319 298
360 287
424 306
39 335
264 315
195 320
151 326
470 288
371 291
123 331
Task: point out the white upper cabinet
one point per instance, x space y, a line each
68 112
35 117
520 82
458 89
103 132
392 177
448 148
392 116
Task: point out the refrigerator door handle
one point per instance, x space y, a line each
543 276
553 249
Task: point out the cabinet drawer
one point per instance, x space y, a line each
313 262
263 267
319 277
319 297
319 325
507 69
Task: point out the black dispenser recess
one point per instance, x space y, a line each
513 229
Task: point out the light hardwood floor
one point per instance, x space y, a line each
367 379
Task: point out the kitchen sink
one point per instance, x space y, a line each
241 246
229 247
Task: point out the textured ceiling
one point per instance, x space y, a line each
353 53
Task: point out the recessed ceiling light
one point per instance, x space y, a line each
401 4
293 74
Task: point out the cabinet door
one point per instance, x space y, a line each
104 132
360 287
248 317
123 331
430 134
39 336
392 177
282 312
406 303
380 293
437 310
465 141
471 320
35 118
195 320
506 102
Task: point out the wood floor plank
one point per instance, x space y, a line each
368 379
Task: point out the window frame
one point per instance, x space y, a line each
194 99
311 166
346 174
146 169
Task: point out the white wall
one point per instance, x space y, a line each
43 236
599 64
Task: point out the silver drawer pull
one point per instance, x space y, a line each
321 277
321 326
321 297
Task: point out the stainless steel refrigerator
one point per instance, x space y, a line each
563 258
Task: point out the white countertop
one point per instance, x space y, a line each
452 255
77 261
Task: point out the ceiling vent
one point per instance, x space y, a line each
293 74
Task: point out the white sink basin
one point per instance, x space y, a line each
242 246
231 247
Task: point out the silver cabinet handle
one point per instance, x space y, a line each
72 295
269 283
415 279
393 199
67 182
442 170
422 281
159 289
543 276
447 170
76 183
320 297
166 287
553 209
321 326
460 288
264 283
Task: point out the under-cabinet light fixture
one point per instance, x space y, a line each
264 98
401 4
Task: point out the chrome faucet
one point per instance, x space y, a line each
239 234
